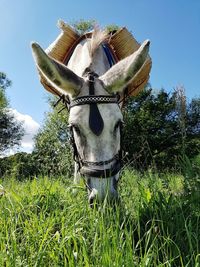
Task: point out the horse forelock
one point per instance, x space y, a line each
98 37
87 54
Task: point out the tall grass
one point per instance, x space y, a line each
156 223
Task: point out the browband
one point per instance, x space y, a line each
103 99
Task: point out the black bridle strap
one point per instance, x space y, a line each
65 100
100 163
88 168
105 173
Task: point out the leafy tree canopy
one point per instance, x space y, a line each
52 152
11 131
83 26
154 131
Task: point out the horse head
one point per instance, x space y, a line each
95 117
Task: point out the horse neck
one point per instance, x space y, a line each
82 60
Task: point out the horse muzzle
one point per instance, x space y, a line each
101 183
103 189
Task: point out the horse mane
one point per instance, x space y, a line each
98 37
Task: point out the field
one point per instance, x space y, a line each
156 223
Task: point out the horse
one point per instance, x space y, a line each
92 87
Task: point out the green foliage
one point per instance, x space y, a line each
52 152
192 122
153 135
83 26
156 223
11 131
19 166
4 83
112 28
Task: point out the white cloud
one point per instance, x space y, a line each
30 126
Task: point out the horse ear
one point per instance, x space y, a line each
56 73
122 73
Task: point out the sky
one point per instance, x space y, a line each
173 28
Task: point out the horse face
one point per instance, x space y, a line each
97 153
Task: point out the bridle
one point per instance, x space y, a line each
90 168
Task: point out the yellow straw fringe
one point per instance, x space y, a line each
122 44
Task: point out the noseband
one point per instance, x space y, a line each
90 168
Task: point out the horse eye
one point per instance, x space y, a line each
117 125
76 129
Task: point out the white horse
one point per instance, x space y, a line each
95 118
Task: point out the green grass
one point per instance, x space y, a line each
156 223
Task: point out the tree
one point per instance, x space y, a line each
154 127
193 127
52 151
11 131
20 166
83 26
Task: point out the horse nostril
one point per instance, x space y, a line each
91 201
92 196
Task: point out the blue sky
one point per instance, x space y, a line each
172 26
